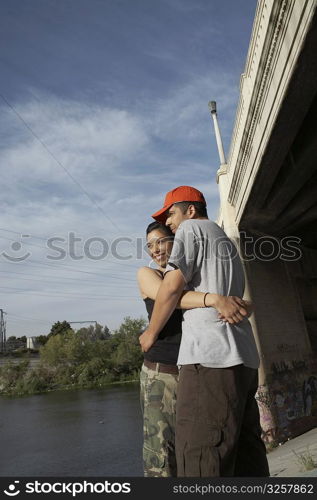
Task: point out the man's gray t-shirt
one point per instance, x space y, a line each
210 262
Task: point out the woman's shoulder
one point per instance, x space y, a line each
146 272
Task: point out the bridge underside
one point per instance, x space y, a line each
283 200
283 203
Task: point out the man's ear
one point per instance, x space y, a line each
191 211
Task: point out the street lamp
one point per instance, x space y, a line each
213 110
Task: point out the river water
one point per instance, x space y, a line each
74 433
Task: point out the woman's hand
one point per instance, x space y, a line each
146 340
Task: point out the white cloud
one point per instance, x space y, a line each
184 116
82 138
126 161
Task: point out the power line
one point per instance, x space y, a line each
84 295
58 162
69 268
27 318
59 280
20 232
46 248
69 295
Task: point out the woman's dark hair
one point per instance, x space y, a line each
159 227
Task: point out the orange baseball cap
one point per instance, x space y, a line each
181 193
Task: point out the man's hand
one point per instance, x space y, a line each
249 307
146 340
232 309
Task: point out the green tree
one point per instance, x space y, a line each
90 357
77 348
127 356
12 374
60 328
95 332
106 333
53 352
42 339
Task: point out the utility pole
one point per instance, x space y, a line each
3 338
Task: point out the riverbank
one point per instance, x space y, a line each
34 359
15 391
76 360
71 388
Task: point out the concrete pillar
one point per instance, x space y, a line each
286 380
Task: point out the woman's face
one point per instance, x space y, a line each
159 246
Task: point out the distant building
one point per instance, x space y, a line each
32 343
268 192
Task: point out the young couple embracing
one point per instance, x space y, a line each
200 371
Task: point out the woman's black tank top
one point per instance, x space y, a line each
165 348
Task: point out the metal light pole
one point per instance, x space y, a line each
227 212
213 110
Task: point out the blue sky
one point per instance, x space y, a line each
104 110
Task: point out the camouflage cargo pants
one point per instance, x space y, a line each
158 403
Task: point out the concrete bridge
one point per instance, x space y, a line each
268 192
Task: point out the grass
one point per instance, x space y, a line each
271 446
305 460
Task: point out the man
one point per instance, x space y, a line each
217 420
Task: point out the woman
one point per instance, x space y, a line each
159 374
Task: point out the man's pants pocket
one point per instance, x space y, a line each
199 455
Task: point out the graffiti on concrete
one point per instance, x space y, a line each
266 409
286 367
286 400
310 394
287 347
